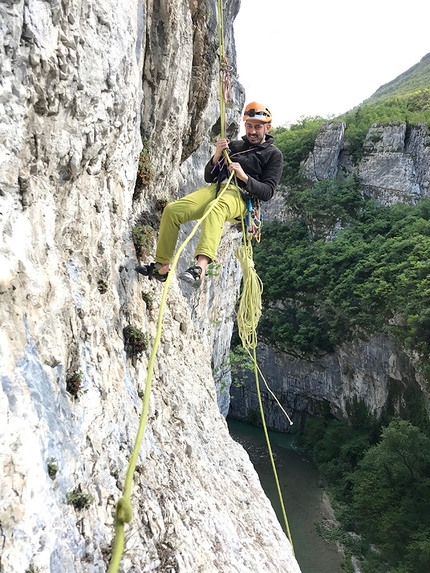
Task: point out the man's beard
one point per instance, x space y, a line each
255 139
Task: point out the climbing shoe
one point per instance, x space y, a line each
193 276
152 271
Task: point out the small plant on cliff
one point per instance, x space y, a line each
135 341
145 169
213 269
161 203
102 286
78 499
142 236
148 299
52 468
74 383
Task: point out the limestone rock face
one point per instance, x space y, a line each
395 165
322 162
371 371
387 172
82 82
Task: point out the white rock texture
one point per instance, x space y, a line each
387 172
395 165
376 371
322 161
82 81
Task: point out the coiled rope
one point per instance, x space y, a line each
248 315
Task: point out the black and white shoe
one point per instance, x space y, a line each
152 271
192 276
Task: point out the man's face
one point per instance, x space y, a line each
255 131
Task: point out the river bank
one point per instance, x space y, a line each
304 500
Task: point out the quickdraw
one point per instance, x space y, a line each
254 218
225 73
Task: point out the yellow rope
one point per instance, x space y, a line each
248 314
222 58
271 392
249 311
124 511
224 77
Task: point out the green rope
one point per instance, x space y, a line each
248 315
124 511
249 311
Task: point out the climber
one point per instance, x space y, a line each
257 164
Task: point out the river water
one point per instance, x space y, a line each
304 499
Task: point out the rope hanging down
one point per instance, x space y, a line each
248 315
124 511
249 311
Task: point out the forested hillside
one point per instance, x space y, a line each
340 268
416 78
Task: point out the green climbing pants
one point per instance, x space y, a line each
229 207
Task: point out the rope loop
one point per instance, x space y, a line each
225 79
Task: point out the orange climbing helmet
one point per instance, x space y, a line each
255 110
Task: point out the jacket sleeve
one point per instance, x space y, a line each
264 188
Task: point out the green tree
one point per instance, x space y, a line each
326 206
391 495
371 276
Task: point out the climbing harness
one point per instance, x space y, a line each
253 219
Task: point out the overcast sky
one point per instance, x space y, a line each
310 57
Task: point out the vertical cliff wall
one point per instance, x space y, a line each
82 82
377 372
395 165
